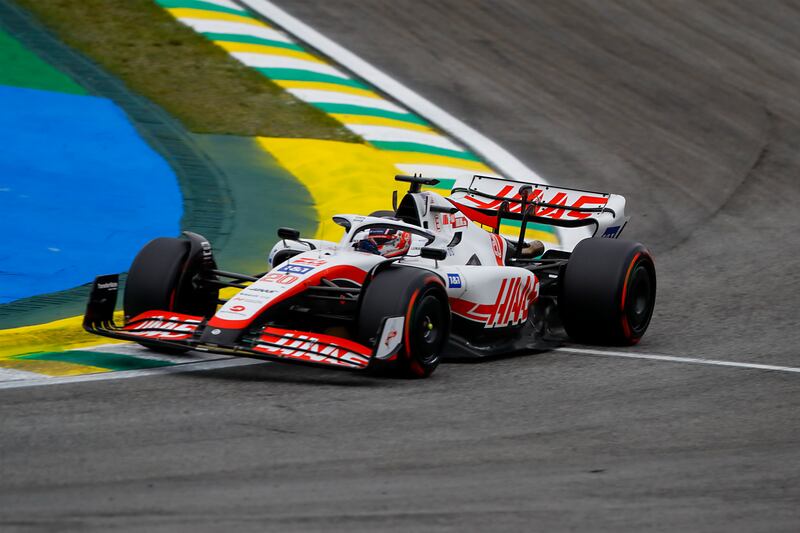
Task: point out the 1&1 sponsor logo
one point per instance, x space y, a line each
301 266
454 281
296 269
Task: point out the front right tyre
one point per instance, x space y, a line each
162 278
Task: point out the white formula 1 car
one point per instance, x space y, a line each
401 289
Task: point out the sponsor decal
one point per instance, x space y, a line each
111 285
309 348
510 307
455 221
497 248
611 232
179 327
282 279
454 281
301 265
253 288
309 261
558 206
391 337
239 298
237 308
293 268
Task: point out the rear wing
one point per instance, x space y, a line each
501 204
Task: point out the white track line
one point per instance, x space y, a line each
674 359
236 28
316 96
252 59
215 364
392 134
224 3
491 151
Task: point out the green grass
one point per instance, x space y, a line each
178 69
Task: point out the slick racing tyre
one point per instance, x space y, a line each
420 297
161 277
608 292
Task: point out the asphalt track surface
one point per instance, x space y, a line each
690 110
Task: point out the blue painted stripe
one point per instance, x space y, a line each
80 191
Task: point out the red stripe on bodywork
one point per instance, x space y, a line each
347 272
476 215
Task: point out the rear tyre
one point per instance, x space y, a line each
420 297
608 292
161 277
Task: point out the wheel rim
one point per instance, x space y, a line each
428 329
640 299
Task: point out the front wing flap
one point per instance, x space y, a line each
171 330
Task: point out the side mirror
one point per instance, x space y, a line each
437 254
289 234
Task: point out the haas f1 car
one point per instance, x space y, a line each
434 277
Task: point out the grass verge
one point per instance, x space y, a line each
191 78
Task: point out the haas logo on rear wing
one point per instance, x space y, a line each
558 204
487 200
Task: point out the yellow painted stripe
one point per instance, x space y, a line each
228 292
51 337
348 178
59 335
189 13
363 120
417 158
269 51
332 87
50 368
530 234
341 177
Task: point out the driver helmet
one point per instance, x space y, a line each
387 242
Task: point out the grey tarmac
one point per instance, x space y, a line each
688 109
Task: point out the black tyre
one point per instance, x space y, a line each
608 292
421 298
161 277
383 214
283 256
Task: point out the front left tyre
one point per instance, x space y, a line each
421 298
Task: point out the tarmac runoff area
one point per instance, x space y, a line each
689 111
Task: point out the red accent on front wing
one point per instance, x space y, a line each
182 326
312 348
347 272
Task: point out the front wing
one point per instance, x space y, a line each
177 331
